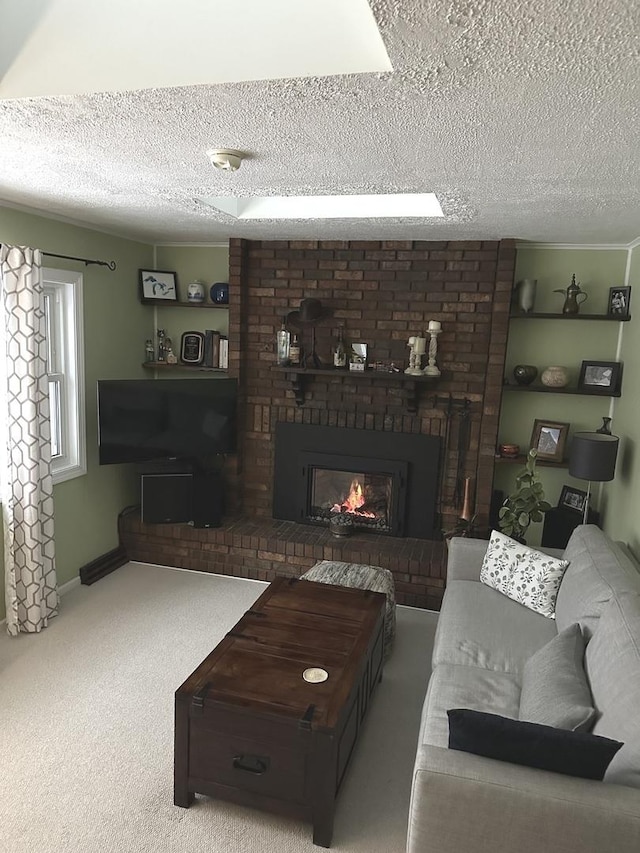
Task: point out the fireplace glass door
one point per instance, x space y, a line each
365 497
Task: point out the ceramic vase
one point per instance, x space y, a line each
524 374
555 377
195 292
220 293
527 294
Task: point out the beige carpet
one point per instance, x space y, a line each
86 727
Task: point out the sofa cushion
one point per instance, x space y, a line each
598 568
527 576
480 627
465 687
612 663
544 747
555 691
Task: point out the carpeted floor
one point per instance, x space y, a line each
86 727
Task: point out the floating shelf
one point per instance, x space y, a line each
163 365
520 460
199 305
612 318
299 377
542 389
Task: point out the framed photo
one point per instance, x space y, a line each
571 498
549 439
158 286
619 301
600 377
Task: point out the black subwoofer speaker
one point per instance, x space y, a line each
207 499
167 498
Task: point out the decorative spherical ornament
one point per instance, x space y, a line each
195 292
220 293
524 374
555 377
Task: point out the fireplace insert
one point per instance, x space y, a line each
384 482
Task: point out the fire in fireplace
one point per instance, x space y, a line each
366 497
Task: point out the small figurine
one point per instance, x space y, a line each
170 356
161 336
148 350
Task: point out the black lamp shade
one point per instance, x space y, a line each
593 456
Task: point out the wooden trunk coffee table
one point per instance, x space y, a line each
250 728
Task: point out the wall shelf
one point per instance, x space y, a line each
163 365
198 305
542 389
612 318
300 376
521 460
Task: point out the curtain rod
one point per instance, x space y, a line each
85 261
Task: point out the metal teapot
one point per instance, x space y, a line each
572 302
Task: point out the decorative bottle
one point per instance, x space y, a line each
149 352
340 352
294 352
283 345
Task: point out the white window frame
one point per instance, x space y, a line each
66 354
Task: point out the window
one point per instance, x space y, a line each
65 368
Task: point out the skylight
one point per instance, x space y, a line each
385 206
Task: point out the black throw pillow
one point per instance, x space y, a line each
544 747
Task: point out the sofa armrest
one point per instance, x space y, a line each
462 803
465 558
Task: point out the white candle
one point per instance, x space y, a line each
420 345
434 326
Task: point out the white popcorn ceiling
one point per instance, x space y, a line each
521 115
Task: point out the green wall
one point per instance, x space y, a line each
115 327
623 494
568 343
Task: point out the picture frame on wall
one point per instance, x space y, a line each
619 301
549 439
573 499
158 286
600 377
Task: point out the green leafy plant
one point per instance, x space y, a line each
525 504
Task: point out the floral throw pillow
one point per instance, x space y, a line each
529 577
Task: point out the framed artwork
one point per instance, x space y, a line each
571 498
158 286
549 439
619 301
600 377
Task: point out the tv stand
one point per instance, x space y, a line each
177 491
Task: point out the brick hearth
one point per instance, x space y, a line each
263 549
381 292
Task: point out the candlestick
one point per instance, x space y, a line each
418 346
432 369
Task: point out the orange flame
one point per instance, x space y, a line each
353 502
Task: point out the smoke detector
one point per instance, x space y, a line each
225 158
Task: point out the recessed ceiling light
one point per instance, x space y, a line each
372 206
227 159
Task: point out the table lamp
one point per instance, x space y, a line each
593 458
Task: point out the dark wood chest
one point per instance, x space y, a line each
250 728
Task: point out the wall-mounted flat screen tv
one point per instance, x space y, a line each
144 419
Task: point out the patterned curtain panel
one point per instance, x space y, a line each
26 487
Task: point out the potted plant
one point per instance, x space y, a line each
525 504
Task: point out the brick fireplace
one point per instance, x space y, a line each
381 293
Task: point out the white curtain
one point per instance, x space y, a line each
26 487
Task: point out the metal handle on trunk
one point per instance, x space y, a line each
257 764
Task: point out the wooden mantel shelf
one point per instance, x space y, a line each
300 376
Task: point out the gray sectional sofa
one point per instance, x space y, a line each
465 803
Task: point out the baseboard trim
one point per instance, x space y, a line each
62 590
103 566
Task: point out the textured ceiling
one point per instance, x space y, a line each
521 116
